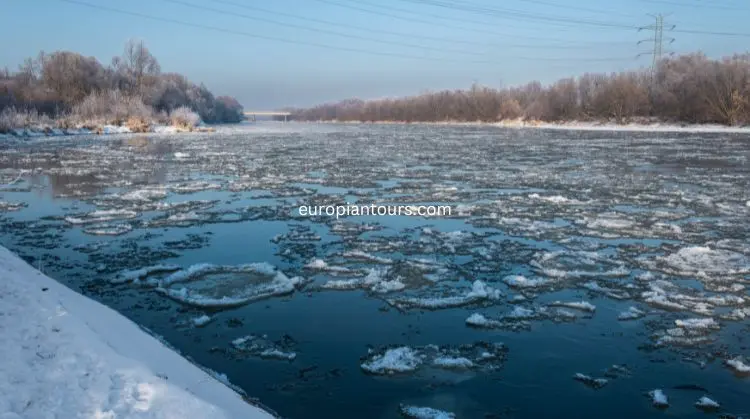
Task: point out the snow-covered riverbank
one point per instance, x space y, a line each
572 126
63 355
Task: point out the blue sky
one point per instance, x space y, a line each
278 53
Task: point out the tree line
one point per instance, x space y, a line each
689 88
66 84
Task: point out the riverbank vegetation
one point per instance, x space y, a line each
65 89
685 89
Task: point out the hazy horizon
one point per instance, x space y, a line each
301 53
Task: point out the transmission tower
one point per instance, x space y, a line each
657 40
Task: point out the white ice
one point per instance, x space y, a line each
658 398
401 359
67 355
416 412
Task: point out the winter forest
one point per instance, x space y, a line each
67 89
688 89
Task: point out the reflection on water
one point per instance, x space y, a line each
619 256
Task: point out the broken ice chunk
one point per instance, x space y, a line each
738 366
577 305
632 313
658 398
707 404
479 292
595 383
453 362
415 412
401 359
201 321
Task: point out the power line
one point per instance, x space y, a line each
519 14
569 7
713 5
402 34
380 12
314 44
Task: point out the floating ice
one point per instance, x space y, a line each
416 412
738 366
360 255
191 187
697 324
11 206
401 359
388 286
479 292
632 313
206 285
201 320
262 347
592 382
577 305
658 398
142 273
705 403
102 216
108 229
453 363
321 265
705 262
519 281
405 359
577 264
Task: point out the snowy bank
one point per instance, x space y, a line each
64 353
570 125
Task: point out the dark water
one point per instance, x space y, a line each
655 221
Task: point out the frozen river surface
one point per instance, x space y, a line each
580 274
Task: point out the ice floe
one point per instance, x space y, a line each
707 404
590 381
478 356
480 292
632 313
262 347
418 412
102 216
658 398
206 285
201 321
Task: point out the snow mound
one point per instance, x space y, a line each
77 358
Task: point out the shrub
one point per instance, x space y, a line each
184 118
12 118
111 107
138 124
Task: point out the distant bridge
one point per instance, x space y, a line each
253 114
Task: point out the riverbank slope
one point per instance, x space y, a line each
67 355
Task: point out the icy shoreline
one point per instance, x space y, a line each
569 126
42 132
65 353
